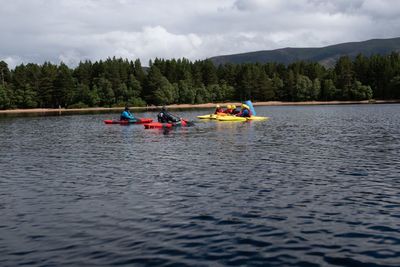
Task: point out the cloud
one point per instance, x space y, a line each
74 30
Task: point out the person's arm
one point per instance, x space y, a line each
131 116
169 117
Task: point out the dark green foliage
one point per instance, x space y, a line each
5 97
64 86
4 73
165 93
394 87
186 92
78 105
360 92
105 91
118 82
45 93
153 83
83 73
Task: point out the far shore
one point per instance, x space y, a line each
207 105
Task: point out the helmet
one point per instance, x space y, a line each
245 106
228 106
126 108
233 106
163 108
218 106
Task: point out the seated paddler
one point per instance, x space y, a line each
245 111
218 109
165 117
126 115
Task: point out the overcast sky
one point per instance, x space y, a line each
75 30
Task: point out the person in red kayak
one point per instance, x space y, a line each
165 117
245 111
126 115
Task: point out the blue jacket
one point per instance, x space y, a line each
126 115
244 113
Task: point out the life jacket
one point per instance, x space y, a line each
164 117
161 117
126 115
235 111
245 112
219 110
229 111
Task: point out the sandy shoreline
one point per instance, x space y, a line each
207 105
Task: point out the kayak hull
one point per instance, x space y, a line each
234 118
126 122
159 125
231 118
212 116
208 117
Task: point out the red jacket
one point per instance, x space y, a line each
218 110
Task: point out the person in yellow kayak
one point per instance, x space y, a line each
218 109
245 111
228 109
235 110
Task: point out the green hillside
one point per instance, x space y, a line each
326 56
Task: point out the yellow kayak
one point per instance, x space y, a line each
212 116
231 118
234 118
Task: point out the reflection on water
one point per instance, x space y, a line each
315 185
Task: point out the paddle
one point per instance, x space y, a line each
188 123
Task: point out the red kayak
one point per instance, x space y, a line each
126 122
159 125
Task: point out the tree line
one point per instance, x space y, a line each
119 82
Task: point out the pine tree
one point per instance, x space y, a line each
5 97
47 77
64 86
345 77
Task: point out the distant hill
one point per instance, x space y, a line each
326 56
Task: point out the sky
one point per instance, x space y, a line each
70 31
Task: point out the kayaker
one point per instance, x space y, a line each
245 111
126 115
235 110
218 109
164 116
228 109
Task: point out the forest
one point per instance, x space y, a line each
120 82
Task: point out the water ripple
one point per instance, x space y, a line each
313 186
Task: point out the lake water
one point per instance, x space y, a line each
312 186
